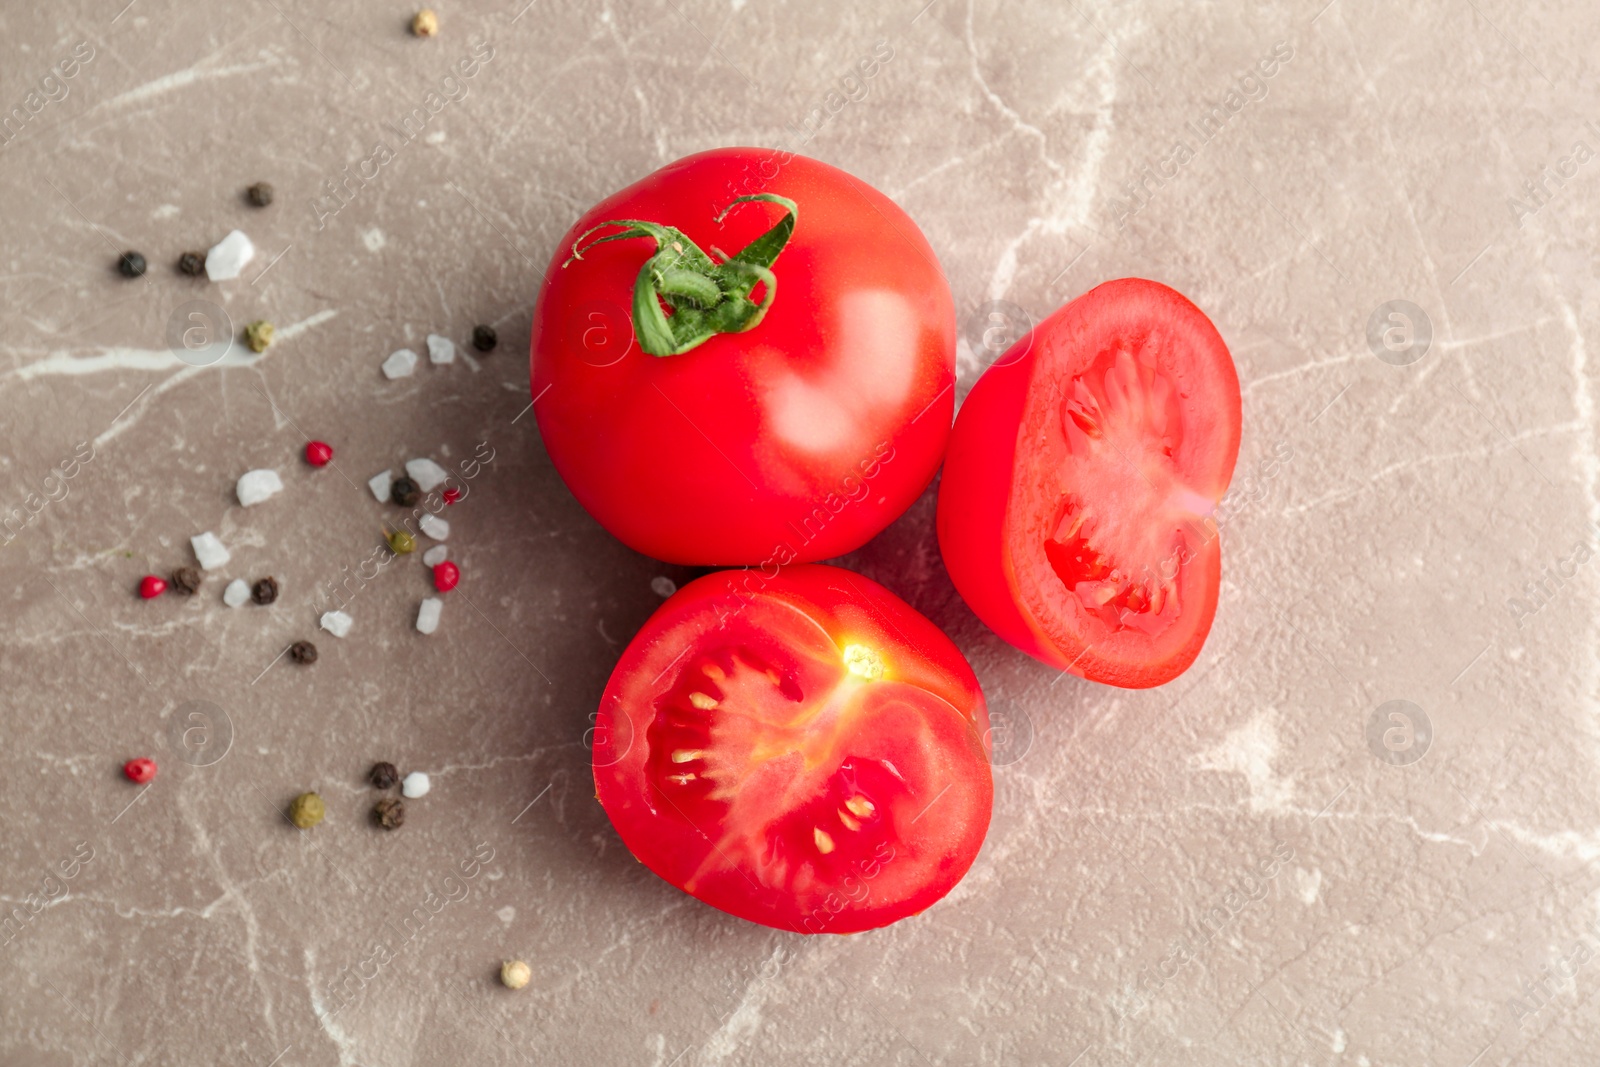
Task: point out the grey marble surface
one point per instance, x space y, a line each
1435 906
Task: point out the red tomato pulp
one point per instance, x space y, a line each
798 438
1074 512
804 751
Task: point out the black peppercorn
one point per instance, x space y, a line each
260 194
192 263
384 775
185 580
131 264
265 591
405 492
390 813
484 338
303 652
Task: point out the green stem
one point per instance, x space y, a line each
705 297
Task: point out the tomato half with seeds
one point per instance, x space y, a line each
1075 510
803 750
747 357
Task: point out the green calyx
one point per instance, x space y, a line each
706 297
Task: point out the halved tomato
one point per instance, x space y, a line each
802 750
1075 511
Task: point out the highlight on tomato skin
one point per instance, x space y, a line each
1075 510
803 750
794 401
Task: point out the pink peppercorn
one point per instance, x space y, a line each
451 494
445 576
318 453
140 770
151 586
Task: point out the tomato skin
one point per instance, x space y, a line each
930 726
796 440
977 507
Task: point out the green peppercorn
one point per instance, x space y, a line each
131 264
192 263
307 810
484 338
402 543
258 335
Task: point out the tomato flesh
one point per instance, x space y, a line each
1075 510
808 754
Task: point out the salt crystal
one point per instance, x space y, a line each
441 349
209 551
426 473
436 555
336 623
237 593
428 615
400 364
435 527
415 785
256 486
379 484
663 586
228 257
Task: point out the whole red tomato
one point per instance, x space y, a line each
1075 509
769 385
804 751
